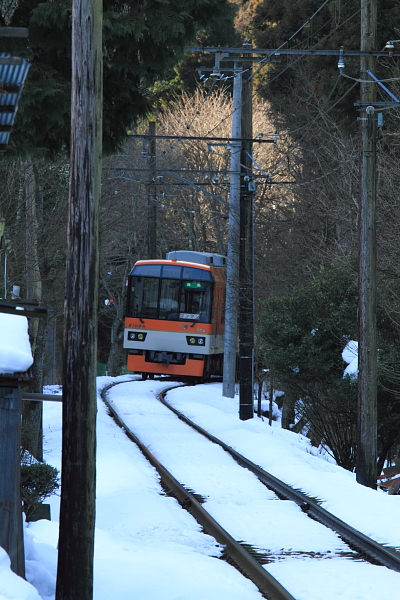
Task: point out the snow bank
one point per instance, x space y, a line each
41 539
13 587
137 526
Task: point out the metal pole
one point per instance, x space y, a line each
367 354
246 270
151 196
232 275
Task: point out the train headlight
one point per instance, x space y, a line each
136 336
195 340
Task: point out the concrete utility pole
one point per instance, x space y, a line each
367 351
77 514
246 268
151 196
232 274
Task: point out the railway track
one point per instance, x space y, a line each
386 557
249 562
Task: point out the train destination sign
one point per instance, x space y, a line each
193 285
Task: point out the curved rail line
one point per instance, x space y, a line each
387 557
267 584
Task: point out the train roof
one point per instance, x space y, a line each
204 258
173 261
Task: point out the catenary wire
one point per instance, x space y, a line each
261 63
286 68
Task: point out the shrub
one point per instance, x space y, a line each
38 481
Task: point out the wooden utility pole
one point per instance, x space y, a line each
367 351
11 537
151 196
246 270
77 513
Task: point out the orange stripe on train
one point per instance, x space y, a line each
192 368
160 325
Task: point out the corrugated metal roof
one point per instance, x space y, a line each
10 75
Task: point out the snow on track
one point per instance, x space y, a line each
234 496
308 556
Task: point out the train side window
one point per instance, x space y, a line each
135 296
223 306
216 308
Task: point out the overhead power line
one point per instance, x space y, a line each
294 52
146 136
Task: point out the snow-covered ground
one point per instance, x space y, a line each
148 548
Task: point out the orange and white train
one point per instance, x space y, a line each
174 323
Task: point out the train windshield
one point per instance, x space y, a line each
171 293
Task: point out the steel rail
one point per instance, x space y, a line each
387 557
250 567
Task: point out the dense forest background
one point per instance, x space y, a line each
305 220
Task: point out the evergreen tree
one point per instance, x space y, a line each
302 337
141 41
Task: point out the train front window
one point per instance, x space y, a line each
171 272
149 307
169 299
173 298
195 303
193 273
147 270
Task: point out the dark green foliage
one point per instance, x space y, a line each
38 481
31 430
302 338
303 335
141 41
388 381
185 75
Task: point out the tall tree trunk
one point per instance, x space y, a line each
113 361
33 277
288 410
32 412
382 456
